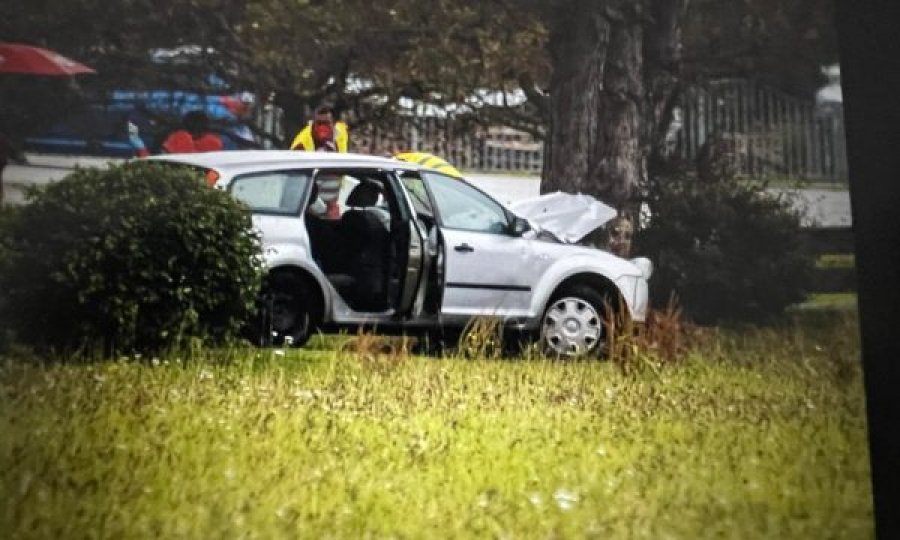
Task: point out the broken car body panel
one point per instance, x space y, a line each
569 217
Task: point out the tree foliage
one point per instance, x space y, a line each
304 51
780 43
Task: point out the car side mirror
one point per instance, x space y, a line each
519 226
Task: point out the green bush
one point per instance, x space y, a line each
728 249
135 258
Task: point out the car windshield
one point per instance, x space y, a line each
274 192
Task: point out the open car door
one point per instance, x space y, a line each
423 298
490 269
414 256
373 252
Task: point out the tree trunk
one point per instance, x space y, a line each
294 115
662 76
595 103
616 71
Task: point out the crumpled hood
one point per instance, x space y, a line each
568 217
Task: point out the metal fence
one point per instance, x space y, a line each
268 118
773 135
496 149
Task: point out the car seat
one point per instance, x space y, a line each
368 239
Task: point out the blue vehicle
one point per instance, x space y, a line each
101 129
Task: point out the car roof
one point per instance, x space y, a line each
243 159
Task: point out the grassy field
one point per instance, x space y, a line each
750 434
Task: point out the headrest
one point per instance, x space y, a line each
364 194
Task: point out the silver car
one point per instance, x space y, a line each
355 240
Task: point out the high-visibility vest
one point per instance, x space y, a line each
304 139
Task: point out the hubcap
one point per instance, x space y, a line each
572 327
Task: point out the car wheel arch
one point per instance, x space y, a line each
310 284
598 282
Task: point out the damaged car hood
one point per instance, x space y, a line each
566 216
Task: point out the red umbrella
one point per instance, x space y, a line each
20 58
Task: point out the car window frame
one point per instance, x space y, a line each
439 219
303 201
431 212
397 211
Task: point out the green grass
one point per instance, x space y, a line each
836 260
845 301
756 434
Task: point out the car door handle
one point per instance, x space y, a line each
464 248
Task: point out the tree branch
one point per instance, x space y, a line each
534 95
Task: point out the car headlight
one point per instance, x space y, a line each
645 265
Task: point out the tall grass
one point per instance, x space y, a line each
755 433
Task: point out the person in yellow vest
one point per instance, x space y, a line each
323 133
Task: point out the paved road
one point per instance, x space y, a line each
821 207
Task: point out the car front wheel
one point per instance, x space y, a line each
574 323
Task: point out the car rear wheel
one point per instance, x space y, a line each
286 311
574 323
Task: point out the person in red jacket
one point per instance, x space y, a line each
194 137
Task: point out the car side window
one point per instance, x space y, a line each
275 192
460 206
415 186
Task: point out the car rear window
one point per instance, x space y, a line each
275 192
